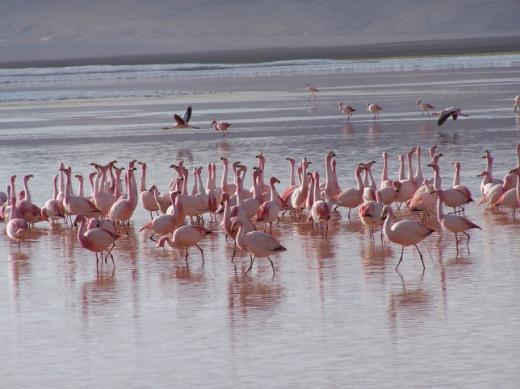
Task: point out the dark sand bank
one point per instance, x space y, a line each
381 50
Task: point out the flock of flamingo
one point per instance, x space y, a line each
177 214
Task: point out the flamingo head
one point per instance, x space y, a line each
456 165
487 154
483 173
214 122
224 160
387 209
359 170
28 177
418 102
291 160
396 185
274 180
143 165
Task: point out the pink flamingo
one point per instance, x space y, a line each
51 210
227 221
221 127
185 237
77 205
96 240
353 197
320 211
511 198
313 92
346 110
419 178
16 227
28 211
405 233
182 122
166 224
424 107
374 109
299 195
516 102
453 223
371 213
446 113
147 196
269 210
122 210
258 244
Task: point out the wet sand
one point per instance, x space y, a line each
335 314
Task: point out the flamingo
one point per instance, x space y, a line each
16 227
182 122
51 210
122 210
489 169
147 196
221 127
28 211
299 195
353 197
167 223
516 102
77 205
407 189
453 223
494 194
258 244
405 233
96 239
269 210
320 210
371 212
445 114
374 109
511 198
424 107
185 237
346 110
313 92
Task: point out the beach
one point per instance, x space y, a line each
336 313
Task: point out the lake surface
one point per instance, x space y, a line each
336 313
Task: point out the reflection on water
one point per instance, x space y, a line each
334 302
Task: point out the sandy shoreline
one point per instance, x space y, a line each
491 45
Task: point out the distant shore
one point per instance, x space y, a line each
493 45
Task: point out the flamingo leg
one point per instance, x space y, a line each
272 265
201 252
400 259
457 242
467 243
420 256
251 264
349 213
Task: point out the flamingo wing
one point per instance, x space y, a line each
187 115
469 223
444 115
464 191
180 121
263 211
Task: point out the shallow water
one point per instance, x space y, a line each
336 313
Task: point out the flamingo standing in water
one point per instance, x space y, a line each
16 227
51 210
313 92
346 110
453 223
96 239
353 197
147 196
424 107
405 233
374 109
269 210
221 127
320 211
167 223
258 244
122 210
516 103
185 237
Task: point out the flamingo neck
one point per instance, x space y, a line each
81 190
359 181
292 177
372 181
316 185
489 168
274 193
27 192
81 234
202 189
387 226
401 169
384 174
55 187
419 174
410 167
224 181
440 213
310 195
456 176
143 178
436 179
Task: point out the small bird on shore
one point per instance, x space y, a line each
445 114
182 122
374 108
424 107
221 127
313 92
516 103
346 110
